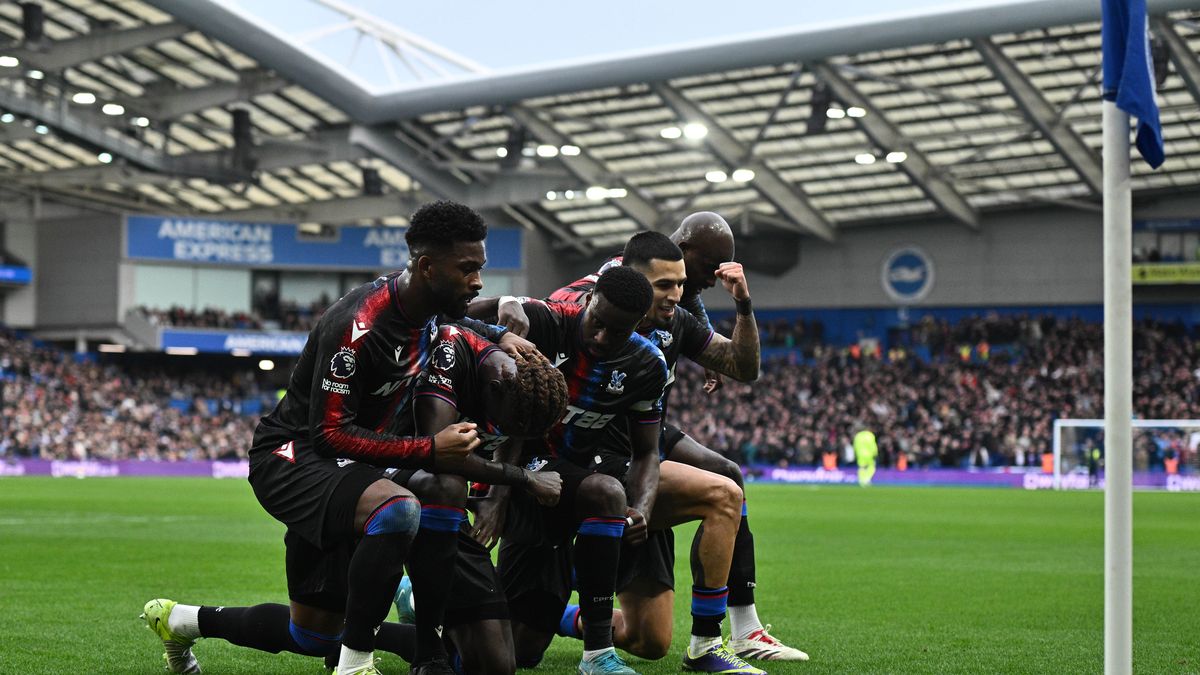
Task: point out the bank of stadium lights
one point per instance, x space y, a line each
545 150
692 130
84 98
113 109
594 193
9 62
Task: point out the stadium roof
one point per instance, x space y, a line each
920 115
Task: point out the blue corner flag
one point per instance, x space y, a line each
1129 72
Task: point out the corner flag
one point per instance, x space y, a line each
1129 73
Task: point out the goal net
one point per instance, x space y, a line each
1170 447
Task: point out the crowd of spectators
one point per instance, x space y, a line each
987 395
984 392
54 406
286 315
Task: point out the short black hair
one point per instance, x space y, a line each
646 246
443 223
626 288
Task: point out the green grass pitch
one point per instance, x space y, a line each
883 580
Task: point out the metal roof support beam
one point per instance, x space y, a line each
588 170
92 129
1060 134
320 148
56 55
1186 63
790 203
508 189
533 219
888 137
170 103
333 211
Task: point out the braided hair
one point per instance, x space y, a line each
538 394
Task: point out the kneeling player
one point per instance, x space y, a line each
511 399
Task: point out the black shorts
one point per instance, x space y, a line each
530 523
316 498
652 561
671 435
477 594
538 580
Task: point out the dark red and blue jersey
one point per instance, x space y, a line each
355 378
687 335
606 395
453 377
578 291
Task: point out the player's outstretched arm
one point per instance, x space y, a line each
740 356
505 309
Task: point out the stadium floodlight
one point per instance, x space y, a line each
104 158
742 175
547 151
182 351
9 61
569 150
596 193
41 129
266 365
835 113
551 195
7 118
855 111
113 109
141 122
84 98
35 75
896 156
671 133
695 130
864 158
502 152
569 194
716 176
618 193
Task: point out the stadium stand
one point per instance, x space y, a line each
982 392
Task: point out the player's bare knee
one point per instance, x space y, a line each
730 469
439 488
725 498
600 494
650 646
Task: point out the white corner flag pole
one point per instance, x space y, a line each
1118 396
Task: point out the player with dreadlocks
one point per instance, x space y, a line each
510 399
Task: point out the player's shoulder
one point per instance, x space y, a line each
463 338
645 350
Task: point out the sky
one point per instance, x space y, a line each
507 34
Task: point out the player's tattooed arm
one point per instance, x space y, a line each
740 356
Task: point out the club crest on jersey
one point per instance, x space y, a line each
443 356
343 363
616 385
665 338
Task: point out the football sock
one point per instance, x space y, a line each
184 622
266 627
375 571
708 610
431 568
741 571
597 550
743 621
